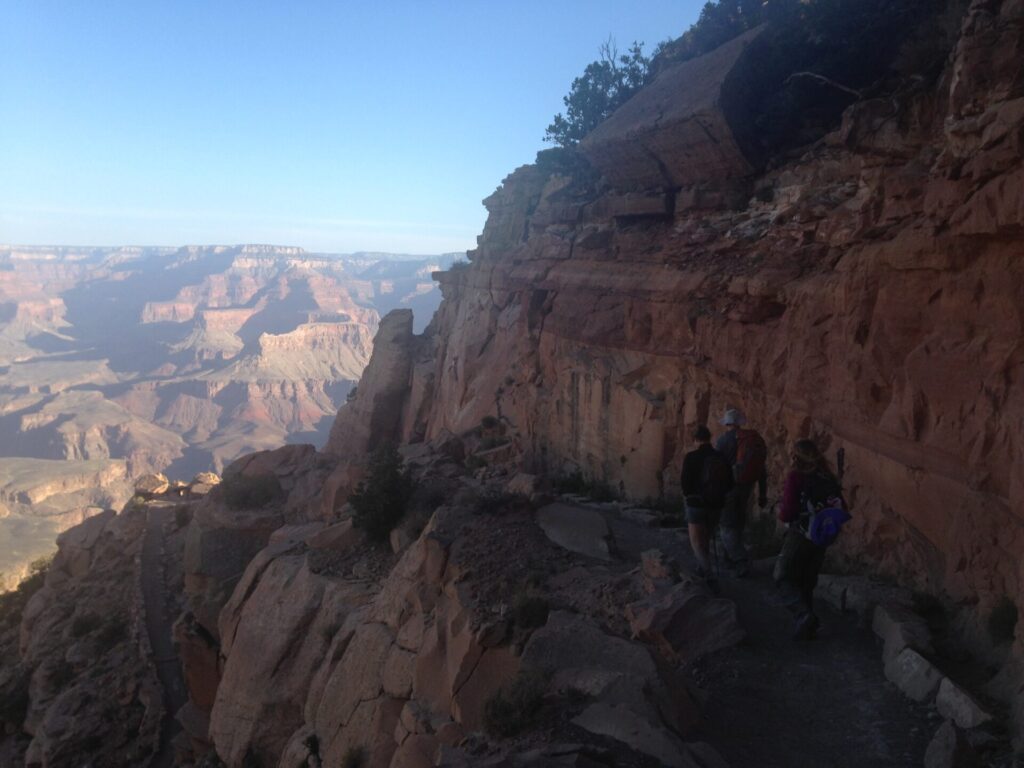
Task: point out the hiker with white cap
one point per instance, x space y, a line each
746 452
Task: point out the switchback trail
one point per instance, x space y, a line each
159 622
777 703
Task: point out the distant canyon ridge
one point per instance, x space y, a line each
115 362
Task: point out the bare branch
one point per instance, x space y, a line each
825 81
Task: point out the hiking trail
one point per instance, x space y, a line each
777 703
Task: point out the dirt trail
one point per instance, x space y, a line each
777 703
159 620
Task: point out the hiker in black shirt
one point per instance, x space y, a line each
706 480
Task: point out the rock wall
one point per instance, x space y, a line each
865 294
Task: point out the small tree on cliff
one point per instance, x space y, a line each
604 86
380 500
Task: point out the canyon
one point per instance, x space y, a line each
117 362
861 287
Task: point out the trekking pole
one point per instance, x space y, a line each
715 567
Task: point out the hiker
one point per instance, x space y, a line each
814 509
706 480
746 452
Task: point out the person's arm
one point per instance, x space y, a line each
790 508
690 481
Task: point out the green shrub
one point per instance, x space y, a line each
603 87
1002 621
250 491
515 708
380 500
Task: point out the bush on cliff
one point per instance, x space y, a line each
380 500
602 88
515 707
828 51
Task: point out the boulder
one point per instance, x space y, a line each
206 478
523 484
913 674
340 537
685 622
954 703
151 485
578 529
684 128
900 628
949 748
630 700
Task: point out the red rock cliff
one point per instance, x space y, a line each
866 294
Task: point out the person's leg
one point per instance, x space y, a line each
699 545
788 570
697 528
810 560
815 559
733 520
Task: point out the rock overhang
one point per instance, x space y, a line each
684 128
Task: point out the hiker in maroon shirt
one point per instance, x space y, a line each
810 486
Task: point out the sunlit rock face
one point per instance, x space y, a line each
865 294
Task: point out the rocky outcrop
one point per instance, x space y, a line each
374 417
864 294
332 647
79 680
683 128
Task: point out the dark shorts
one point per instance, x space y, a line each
701 515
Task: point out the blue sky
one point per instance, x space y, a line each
336 126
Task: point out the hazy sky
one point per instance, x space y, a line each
336 126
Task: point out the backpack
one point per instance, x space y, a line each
751 454
715 480
825 507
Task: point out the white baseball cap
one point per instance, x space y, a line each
733 416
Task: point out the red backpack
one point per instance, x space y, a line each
751 454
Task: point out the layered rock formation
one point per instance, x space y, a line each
174 359
865 294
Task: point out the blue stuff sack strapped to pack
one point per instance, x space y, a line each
826 524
